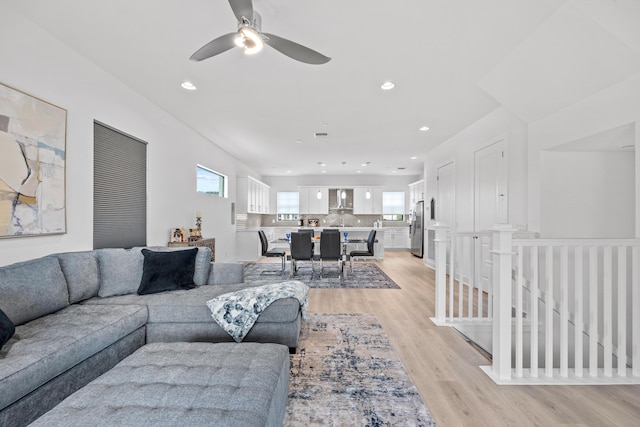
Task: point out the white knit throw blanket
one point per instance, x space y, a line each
236 312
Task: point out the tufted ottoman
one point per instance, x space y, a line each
186 384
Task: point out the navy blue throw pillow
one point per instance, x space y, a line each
167 271
7 328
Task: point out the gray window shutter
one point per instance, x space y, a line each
119 189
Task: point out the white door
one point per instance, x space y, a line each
445 203
490 196
490 186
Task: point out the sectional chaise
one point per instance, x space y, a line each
78 314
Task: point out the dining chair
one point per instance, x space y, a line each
274 253
312 235
371 240
301 250
330 248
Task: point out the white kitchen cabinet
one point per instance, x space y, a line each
416 192
252 196
310 203
363 205
396 238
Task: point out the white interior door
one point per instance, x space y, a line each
490 201
490 186
445 203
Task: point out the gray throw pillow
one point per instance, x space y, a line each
120 271
82 274
32 289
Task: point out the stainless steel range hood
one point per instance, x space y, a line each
340 199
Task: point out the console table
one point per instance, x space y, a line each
209 243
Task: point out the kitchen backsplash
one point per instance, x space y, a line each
330 220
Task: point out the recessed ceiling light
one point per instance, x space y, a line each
414 157
288 171
358 171
388 85
299 141
324 171
188 85
394 171
323 164
424 128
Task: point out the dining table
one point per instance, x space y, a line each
344 241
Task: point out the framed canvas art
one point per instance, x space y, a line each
33 136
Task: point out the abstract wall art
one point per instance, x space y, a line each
33 137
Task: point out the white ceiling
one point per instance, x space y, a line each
258 107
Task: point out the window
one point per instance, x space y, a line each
119 189
288 205
211 182
393 205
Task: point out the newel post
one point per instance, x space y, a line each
502 252
441 272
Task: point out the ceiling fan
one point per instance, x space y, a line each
251 39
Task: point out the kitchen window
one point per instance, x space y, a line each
288 205
211 182
393 205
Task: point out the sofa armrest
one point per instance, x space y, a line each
225 273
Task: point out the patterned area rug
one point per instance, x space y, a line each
346 373
364 275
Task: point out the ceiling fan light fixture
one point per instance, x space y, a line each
188 85
250 40
388 85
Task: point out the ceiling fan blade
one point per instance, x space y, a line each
242 8
295 50
215 47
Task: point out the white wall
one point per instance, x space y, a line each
36 63
460 149
587 194
616 106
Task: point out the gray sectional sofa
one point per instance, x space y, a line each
78 314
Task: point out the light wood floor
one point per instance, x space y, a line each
445 368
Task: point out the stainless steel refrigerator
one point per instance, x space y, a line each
416 230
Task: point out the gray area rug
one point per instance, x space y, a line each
364 275
346 373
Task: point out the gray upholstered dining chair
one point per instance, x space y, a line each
330 248
311 236
274 253
301 250
371 240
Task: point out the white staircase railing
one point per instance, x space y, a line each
465 292
562 311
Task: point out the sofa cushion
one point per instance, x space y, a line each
32 289
167 271
82 274
191 306
188 384
203 261
120 271
226 273
48 346
7 328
